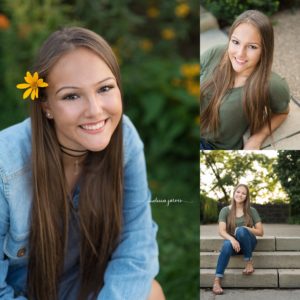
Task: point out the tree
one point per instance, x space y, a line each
288 171
227 168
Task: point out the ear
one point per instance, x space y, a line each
47 110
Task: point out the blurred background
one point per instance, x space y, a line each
157 46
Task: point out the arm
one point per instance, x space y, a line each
257 230
134 263
255 141
223 233
6 291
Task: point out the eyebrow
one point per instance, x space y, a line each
233 36
75 87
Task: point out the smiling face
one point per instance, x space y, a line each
240 195
244 49
84 101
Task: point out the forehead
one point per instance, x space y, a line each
79 66
247 33
241 189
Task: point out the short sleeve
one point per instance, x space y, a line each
223 214
255 216
209 59
279 94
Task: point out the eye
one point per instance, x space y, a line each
70 97
235 42
105 88
252 47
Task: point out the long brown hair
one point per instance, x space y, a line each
255 97
101 186
230 224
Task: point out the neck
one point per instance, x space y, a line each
73 159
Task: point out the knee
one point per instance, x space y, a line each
156 292
241 232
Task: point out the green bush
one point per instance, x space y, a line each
208 210
227 10
157 45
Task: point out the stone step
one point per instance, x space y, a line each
288 243
212 38
289 278
267 243
261 278
262 260
207 20
266 278
215 243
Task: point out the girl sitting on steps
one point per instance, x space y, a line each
239 224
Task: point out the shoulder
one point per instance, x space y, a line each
253 210
132 142
15 147
224 212
209 60
214 51
279 93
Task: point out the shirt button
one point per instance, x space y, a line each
21 252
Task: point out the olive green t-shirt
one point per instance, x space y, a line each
240 221
233 121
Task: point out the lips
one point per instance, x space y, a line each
240 61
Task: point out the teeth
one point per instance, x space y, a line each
94 127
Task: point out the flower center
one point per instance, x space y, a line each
34 85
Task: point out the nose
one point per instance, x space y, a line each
94 105
241 52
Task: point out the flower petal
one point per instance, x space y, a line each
23 85
28 79
28 75
36 93
27 93
33 94
43 84
35 77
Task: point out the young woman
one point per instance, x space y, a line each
75 219
238 89
239 224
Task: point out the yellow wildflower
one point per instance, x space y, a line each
190 70
33 84
4 22
168 34
193 88
146 44
152 12
182 10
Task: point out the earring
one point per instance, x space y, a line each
48 115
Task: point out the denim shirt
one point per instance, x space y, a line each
133 264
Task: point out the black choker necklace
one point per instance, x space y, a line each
64 148
81 153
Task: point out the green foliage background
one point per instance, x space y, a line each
227 10
288 171
157 45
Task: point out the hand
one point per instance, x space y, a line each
235 245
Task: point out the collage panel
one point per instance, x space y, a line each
249 150
249 224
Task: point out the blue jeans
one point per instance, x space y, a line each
247 242
204 145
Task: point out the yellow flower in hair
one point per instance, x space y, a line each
33 83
